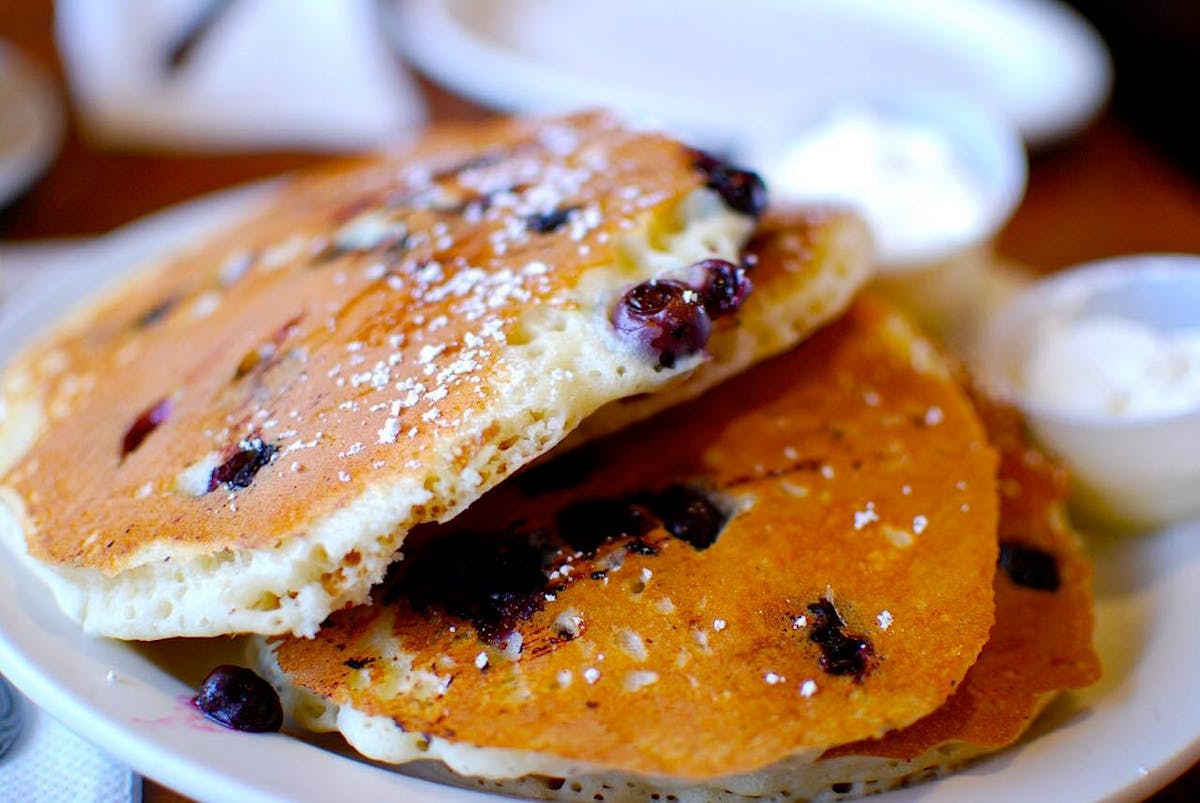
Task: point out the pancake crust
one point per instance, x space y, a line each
855 471
1041 643
386 343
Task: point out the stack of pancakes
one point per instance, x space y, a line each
791 557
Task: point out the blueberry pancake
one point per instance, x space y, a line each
1039 646
239 439
799 559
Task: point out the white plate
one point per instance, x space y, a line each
1122 739
717 69
31 123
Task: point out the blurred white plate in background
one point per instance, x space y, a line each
717 68
31 123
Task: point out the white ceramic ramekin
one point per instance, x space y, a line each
1138 471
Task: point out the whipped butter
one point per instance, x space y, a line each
1109 366
907 179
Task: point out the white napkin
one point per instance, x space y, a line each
311 74
49 764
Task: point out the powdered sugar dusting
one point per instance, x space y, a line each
865 516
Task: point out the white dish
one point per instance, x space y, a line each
31 123
911 161
717 69
1130 470
1122 739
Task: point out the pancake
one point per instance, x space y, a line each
799 559
239 439
1040 645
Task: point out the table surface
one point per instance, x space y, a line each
1104 193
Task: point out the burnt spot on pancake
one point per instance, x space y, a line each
741 190
358 663
588 524
238 471
155 313
549 222
144 424
1029 567
842 653
690 515
493 580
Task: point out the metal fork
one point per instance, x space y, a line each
11 720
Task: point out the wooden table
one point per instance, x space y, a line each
1103 194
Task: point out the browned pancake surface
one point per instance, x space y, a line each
1042 640
856 474
347 352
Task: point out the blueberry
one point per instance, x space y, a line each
842 653
1029 567
723 286
666 316
742 190
492 579
238 471
589 524
238 698
690 516
147 422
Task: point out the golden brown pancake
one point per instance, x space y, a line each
240 439
581 617
1041 643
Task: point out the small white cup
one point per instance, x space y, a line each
1134 472
931 270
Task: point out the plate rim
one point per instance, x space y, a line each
427 33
